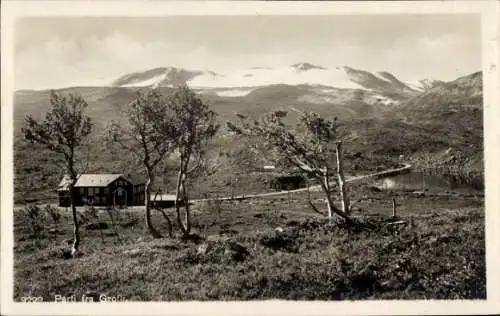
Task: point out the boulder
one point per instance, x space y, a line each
203 249
133 252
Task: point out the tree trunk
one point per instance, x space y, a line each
342 185
329 201
147 204
76 226
176 202
187 217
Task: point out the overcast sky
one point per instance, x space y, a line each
56 52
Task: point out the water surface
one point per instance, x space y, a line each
420 181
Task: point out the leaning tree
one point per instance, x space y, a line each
147 134
63 131
312 146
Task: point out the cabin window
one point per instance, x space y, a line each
82 191
106 190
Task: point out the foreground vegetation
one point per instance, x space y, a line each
438 253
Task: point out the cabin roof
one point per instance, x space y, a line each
91 180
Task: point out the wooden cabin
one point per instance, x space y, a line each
288 182
102 190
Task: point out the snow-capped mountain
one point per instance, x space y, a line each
162 76
424 84
344 92
242 82
305 67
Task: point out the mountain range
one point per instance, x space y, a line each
243 82
342 91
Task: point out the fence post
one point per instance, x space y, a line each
393 207
288 195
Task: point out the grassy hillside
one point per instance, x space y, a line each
240 256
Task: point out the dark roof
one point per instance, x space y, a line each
92 180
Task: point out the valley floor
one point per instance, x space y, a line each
439 253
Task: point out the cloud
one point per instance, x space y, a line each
60 62
444 58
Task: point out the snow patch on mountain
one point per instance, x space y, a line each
297 74
233 92
384 100
305 67
284 75
146 83
379 76
415 84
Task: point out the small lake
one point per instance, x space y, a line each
420 181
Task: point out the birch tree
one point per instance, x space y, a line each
312 146
63 131
148 135
195 124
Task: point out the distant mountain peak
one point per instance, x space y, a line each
306 66
160 76
380 81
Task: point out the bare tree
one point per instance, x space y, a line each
64 129
147 134
195 124
312 147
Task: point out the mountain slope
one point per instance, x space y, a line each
466 91
386 82
451 112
